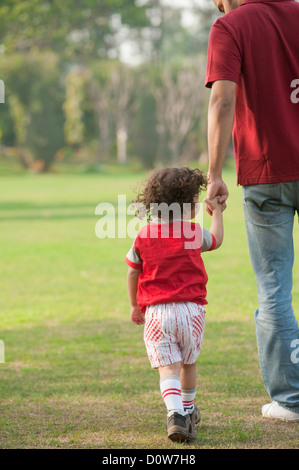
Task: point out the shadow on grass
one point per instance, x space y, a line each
106 423
109 356
89 385
15 210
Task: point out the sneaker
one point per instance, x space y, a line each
180 428
195 416
274 410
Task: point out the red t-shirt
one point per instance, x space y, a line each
169 256
257 46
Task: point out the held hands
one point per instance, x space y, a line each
213 204
137 317
217 193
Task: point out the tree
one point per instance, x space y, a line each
73 28
72 106
179 96
99 99
34 99
122 97
169 37
111 89
82 95
144 132
207 14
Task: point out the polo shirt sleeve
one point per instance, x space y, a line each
208 241
133 258
224 59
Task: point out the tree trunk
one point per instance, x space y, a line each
122 137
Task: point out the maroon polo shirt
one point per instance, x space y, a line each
257 46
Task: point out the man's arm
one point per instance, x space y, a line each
220 124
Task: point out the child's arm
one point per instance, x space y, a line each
217 220
132 282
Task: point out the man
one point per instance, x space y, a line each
253 73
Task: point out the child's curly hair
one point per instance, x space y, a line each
170 185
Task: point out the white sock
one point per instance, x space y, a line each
188 397
170 387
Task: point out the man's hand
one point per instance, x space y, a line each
137 317
217 187
213 204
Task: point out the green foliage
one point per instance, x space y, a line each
145 137
78 28
73 127
20 118
34 95
67 97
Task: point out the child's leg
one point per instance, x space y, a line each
188 376
188 384
170 386
179 424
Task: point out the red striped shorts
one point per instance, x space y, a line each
173 333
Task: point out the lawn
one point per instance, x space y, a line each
76 374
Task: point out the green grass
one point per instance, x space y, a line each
76 374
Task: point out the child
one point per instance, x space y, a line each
167 286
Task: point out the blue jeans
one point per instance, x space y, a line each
269 216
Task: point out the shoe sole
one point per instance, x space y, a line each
176 434
282 419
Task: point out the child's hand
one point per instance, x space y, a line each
137 317
213 204
217 187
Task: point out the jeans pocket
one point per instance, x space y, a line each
262 202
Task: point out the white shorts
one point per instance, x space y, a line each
173 333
